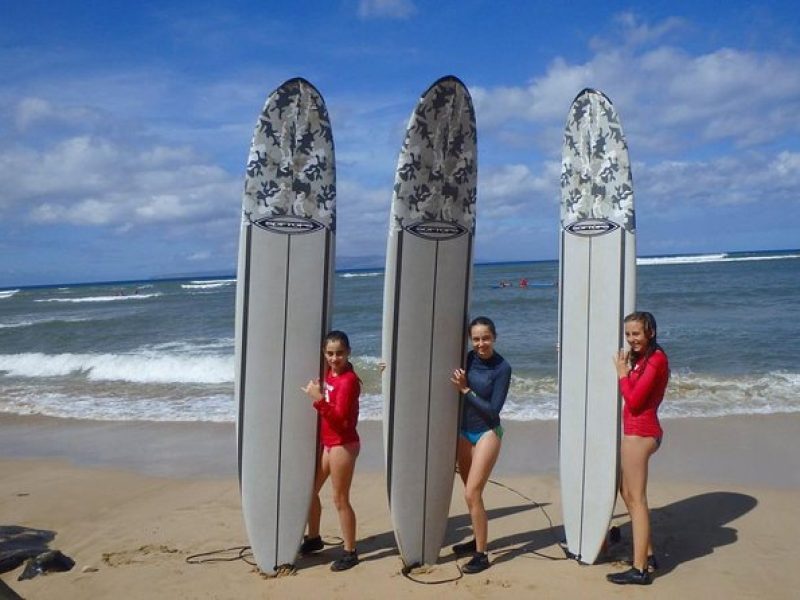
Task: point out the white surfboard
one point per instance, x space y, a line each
597 289
425 304
283 300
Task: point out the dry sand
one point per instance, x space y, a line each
130 502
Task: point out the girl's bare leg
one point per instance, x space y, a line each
342 466
463 458
315 511
635 454
484 456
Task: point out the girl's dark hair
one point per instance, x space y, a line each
648 322
337 336
486 321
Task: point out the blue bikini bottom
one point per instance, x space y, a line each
473 436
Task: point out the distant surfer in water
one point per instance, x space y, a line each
484 386
337 404
643 375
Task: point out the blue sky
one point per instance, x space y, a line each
124 128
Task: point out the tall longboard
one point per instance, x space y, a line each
425 304
283 300
597 288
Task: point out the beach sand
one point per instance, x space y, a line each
130 502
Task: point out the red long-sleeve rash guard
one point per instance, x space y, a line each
339 408
643 390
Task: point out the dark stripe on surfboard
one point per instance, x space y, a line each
623 255
561 263
324 325
283 397
430 375
393 366
243 356
585 399
465 331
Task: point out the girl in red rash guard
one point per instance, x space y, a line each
643 374
337 404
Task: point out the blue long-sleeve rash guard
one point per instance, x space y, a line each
488 381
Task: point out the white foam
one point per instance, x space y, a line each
123 386
101 298
688 395
142 367
370 274
205 285
43 321
370 407
213 281
533 399
7 293
708 258
15 325
701 395
218 408
366 360
528 400
193 346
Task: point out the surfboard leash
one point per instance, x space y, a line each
406 571
567 554
244 553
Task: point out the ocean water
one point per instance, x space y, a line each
163 350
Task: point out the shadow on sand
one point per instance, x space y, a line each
688 529
383 544
682 531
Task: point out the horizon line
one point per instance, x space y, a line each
232 275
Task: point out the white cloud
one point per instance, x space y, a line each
631 31
787 163
34 111
89 211
770 181
668 99
30 110
150 148
387 9
90 180
362 216
514 190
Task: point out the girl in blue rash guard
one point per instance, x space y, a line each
484 386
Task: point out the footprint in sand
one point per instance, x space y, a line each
142 554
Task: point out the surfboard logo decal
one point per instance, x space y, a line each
288 224
436 230
591 227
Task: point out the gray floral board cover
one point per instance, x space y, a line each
596 179
435 183
291 174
